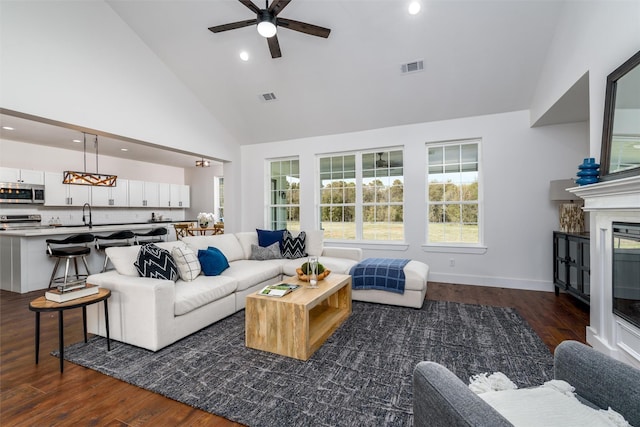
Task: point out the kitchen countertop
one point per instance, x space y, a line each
96 229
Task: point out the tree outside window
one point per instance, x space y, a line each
284 194
453 186
362 196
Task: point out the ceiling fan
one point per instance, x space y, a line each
268 21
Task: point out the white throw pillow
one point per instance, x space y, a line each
314 243
187 262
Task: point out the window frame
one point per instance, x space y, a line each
271 192
359 204
456 246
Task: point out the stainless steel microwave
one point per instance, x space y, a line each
18 192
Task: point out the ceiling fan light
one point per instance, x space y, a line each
266 24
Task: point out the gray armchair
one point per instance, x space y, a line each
442 399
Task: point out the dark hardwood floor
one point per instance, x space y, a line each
38 395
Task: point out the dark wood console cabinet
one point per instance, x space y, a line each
571 264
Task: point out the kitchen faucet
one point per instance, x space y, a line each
84 220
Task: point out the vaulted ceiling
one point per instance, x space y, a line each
480 57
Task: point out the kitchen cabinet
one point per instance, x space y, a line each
117 196
571 264
180 197
164 195
59 194
143 194
26 176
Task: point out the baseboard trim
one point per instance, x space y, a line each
496 282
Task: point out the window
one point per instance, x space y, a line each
362 196
453 204
284 194
218 197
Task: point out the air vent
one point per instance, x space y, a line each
412 67
268 96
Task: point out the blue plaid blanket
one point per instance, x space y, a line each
384 274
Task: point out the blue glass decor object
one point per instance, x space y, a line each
588 172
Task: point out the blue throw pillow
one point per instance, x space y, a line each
269 237
212 261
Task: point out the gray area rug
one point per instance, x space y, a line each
362 376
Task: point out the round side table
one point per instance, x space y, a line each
42 304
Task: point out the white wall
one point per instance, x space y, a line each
517 164
593 36
77 62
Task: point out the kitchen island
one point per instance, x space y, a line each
25 265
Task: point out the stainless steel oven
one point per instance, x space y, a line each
17 192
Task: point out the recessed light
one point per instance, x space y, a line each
77 140
244 55
414 8
7 128
124 149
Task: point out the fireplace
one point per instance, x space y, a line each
614 225
626 271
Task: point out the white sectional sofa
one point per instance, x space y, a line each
153 313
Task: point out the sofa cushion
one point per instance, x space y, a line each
212 261
250 273
187 262
227 243
156 263
269 237
314 242
270 252
201 291
123 259
336 265
246 239
293 247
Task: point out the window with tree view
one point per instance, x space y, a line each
453 202
362 196
284 194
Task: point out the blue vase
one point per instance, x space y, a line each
588 172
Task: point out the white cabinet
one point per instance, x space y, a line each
164 195
143 194
59 194
117 196
180 197
27 176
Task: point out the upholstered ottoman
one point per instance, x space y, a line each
415 288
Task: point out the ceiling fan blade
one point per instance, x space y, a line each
233 25
303 27
274 46
277 6
250 5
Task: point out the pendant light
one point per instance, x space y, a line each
89 178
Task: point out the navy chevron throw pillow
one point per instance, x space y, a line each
156 263
293 247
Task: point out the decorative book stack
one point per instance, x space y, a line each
58 295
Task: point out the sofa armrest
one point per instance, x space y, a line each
442 399
600 379
141 309
349 253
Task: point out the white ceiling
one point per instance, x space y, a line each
480 57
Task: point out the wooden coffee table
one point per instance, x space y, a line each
297 324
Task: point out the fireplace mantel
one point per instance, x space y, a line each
609 201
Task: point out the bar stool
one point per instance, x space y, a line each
69 253
117 239
154 236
